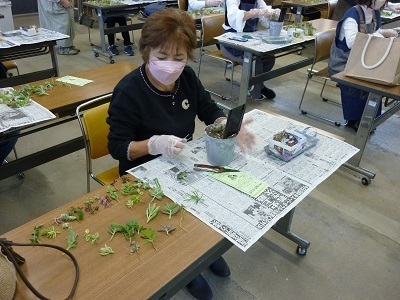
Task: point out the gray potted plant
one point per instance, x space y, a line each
275 25
220 150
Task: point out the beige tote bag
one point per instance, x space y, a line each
8 278
375 59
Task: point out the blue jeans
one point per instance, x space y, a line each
7 146
353 103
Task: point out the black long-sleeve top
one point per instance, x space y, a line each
138 111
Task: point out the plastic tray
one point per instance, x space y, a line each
283 39
311 141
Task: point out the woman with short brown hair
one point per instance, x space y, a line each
174 26
153 109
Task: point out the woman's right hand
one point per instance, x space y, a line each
168 145
388 33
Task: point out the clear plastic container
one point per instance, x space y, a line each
304 141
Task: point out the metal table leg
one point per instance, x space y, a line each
298 15
102 51
283 228
367 124
246 75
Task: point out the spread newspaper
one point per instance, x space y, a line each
243 217
17 37
28 114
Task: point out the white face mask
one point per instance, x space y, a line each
377 4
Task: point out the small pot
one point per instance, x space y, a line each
220 152
275 28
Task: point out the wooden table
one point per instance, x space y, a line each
180 256
368 120
282 49
151 274
28 51
44 44
62 101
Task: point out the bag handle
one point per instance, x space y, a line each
381 60
16 260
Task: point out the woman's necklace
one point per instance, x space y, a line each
151 89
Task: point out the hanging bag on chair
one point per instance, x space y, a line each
10 262
375 59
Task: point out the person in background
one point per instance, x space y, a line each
153 109
6 146
365 18
58 15
121 20
198 4
243 16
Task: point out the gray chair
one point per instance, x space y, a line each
331 8
323 43
212 27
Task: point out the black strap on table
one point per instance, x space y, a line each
16 259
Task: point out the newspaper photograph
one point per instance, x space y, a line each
230 209
27 115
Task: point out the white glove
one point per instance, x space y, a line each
168 145
397 29
254 13
387 33
246 139
268 12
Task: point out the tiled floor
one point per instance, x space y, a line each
354 230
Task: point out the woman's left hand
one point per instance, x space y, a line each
268 12
246 139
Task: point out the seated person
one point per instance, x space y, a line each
243 16
366 18
199 4
121 20
155 119
7 146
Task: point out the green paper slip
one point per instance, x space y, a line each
242 182
74 80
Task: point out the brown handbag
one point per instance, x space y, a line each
374 59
